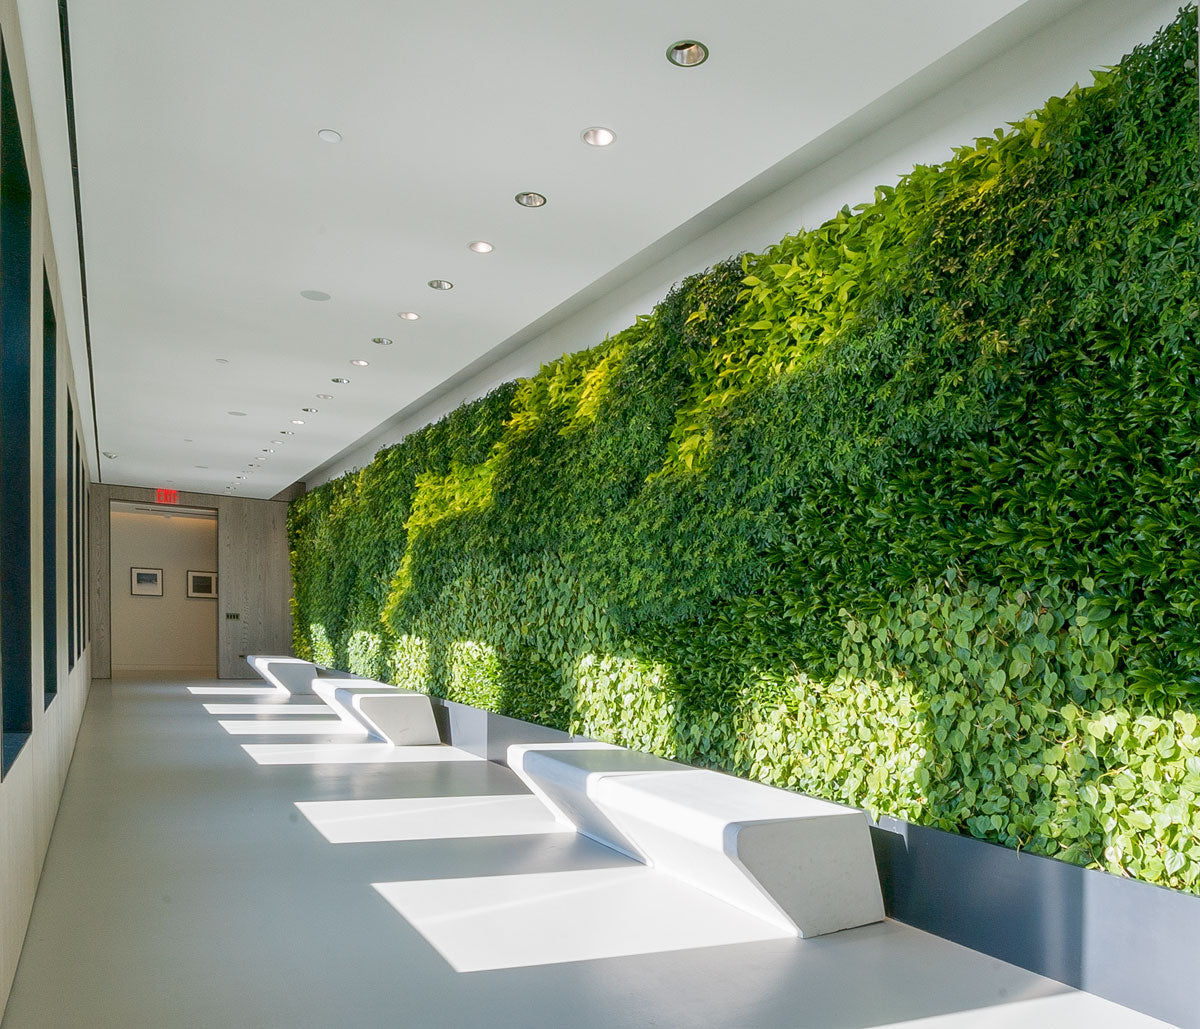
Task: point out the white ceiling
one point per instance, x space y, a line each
209 203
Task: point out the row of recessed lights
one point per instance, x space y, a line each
266 450
685 53
295 421
596 135
338 379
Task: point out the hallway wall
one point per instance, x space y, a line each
173 632
31 788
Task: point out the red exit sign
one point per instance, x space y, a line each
166 496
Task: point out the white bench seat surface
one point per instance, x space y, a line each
803 864
795 861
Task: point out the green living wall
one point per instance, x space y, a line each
903 512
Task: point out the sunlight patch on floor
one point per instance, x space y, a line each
1054 1012
233 691
350 754
545 918
290 727
282 708
429 818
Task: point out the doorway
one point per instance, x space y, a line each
164 583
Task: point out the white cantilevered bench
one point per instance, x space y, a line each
292 674
286 674
802 864
403 718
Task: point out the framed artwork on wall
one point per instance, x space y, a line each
202 584
145 582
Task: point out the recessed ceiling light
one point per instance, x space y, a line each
239 476
237 414
296 421
109 454
204 466
381 341
481 246
598 135
260 459
188 441
530 199
286 432
687 53
313 294
408 316
222 360
358 362
267 450
309 410
323 396
340 380
440 284
277 442
329 135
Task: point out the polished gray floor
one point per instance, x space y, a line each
209 872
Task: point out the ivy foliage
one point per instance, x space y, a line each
902 512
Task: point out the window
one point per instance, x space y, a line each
49 495
70 535
80 551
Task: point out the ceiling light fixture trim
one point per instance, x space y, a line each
687 53
598 135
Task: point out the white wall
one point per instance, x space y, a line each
173 632
31 788
832 172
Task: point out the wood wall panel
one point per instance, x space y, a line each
99 597
255 583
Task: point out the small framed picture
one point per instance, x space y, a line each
202 584
145 582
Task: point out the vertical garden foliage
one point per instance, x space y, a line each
904 512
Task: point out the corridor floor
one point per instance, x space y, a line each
227 859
